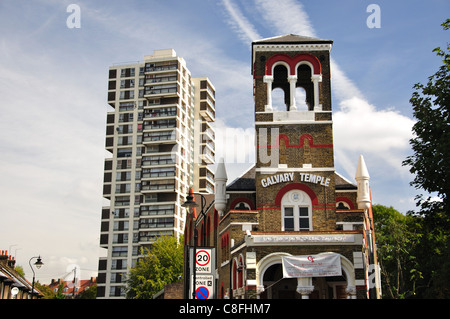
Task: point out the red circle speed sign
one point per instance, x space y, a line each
202 258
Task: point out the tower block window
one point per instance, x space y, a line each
298 78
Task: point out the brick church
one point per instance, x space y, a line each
291 227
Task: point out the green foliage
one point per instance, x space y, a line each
88 293
431 144
19 270
397 237
46 291
161 265
430 165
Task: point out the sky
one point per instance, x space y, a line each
53 90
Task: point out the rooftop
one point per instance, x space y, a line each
246 182
291 38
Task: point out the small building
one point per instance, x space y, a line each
12 284
71 289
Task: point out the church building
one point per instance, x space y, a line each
291 227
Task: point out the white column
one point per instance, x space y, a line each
351 291
292 81
305 291
316 78
268 79
305 287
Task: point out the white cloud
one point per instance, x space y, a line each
239 23
359 128
286 16
343 88
235 145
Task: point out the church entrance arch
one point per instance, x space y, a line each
272 285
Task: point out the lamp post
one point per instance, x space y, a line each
38 265
190 204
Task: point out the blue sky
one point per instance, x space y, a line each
53 84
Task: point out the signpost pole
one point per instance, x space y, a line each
194 260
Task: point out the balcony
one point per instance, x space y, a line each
152 236
158 186
160 124
161 160
158 172
168 137
157 67
207 156
209 144
208 134
207 111
147 223
155 210
159 113
161 78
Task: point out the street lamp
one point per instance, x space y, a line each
38 265
190 205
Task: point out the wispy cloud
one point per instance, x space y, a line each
245 30
287 16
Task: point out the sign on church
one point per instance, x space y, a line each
289 177
322 265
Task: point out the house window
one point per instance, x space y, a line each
296 207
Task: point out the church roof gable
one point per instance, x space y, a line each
291 38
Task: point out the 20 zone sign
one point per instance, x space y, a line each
203 261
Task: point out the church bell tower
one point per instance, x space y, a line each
294 171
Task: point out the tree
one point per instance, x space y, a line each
88 293
161 265
431 144
46 291
430 165
397 238
19 270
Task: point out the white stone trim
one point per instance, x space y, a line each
292 47
358 260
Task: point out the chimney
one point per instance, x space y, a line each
4 257
11 262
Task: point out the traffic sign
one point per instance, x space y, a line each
204 286
203 261
202 293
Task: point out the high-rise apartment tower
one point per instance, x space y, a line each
160 142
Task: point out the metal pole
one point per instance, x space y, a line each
32 285
194 260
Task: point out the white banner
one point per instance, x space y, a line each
322 265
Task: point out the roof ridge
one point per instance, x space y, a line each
295 38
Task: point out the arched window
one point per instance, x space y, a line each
296 209
278 99
242 206
304 81
234 281
280 87
240 273
300 99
